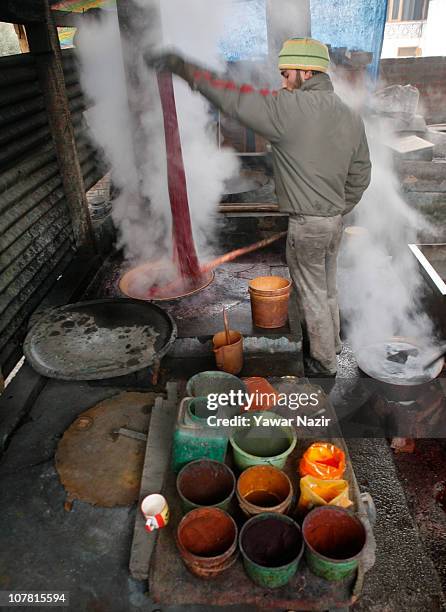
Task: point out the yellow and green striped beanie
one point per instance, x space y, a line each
304 54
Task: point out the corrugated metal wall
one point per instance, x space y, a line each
36 238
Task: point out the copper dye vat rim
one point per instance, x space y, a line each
126 278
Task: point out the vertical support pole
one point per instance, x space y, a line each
44 44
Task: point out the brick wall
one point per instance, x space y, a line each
428 74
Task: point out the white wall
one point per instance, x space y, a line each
401 34
429 35
434 32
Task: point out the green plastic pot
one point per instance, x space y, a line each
267 576
205 483
262 445
334 539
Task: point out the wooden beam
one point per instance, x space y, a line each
156 463
21 35
44 44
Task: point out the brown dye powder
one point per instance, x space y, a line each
272 542
206 483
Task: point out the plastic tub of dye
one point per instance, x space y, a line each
334 540
264 444
212 381
205 483
263 488
271 547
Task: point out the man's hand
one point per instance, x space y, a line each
164 62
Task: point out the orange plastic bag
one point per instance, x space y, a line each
323 460
318 492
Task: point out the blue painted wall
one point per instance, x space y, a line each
356 24
246 35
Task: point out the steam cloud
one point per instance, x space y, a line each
380 284
144 223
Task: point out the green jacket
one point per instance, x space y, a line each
319 147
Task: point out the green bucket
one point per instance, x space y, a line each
271 546
334 540
205 483
267 444
212 381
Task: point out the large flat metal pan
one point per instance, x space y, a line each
372 360
99 339
247 180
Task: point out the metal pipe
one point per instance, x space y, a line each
239 252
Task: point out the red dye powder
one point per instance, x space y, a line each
185 255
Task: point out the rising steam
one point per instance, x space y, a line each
144 223
380 284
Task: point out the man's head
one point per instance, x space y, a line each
300 59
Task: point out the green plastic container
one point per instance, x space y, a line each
263 445
195 440
212 381
205 483
270 575
334 539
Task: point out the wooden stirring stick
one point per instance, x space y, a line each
225 322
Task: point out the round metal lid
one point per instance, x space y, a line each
375 360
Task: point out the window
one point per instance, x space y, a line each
407 10
409 51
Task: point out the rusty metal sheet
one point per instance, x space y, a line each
97 465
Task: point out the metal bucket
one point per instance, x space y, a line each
205 483
334 540
263 488
269 301
207 541
271 546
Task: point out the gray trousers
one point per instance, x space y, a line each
312 249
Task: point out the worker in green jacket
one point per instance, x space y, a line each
321 168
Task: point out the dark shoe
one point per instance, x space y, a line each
314 368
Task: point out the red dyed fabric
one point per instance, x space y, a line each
186 255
